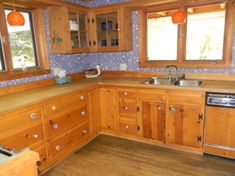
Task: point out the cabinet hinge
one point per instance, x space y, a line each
200 118
138 109
199 138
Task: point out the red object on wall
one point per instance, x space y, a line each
15 18
179 17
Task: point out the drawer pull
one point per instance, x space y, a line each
84 132
172 109
53 108
125 108
55 126
125 93
126 126
58 148
33 115
159 108
83 113
82 97
35 136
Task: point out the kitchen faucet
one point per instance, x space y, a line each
176 72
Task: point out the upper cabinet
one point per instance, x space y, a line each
97 30
68 30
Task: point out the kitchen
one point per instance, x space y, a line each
168 105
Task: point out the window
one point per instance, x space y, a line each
22 43
24 48
204 41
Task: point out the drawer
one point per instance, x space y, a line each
59 124
19 118
64 144
127 127
127 107
149 94
64 103
127 93
23 138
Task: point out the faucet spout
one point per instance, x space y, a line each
176 72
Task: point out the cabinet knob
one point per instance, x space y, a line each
159 108
55 126
125 108
53 108
82 97
33 115
126 126
58 148
84 132
35 136
125 93
83 113
172 109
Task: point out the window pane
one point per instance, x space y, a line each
161 37
205 35
22 43
2 65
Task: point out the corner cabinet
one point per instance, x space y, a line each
68 30
111 29
96 30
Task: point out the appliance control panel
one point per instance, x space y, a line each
220 99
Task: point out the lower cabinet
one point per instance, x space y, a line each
185 119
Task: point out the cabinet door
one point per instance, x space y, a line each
108 109
184 125
153 120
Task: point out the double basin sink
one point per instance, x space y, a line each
183 82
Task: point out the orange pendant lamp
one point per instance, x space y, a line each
179 17
15 18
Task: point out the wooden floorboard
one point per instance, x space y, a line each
112 156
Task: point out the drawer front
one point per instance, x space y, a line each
127 107
65 103
127 127
127 93
66 143
20 118
149 94
59 124
23 138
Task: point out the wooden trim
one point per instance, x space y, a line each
27 86
202 76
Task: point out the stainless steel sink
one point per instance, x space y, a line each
159 82
183 83
188 83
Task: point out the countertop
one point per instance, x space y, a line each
39 95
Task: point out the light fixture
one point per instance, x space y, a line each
15 18
179 17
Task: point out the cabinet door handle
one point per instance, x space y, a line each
159 108
35 136
172 109
126 126
94 43
55 126
125 108
53 108
84 132
82 97
93 20
89 43
83 113
33 115
125 93
58 148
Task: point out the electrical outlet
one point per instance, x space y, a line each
123 67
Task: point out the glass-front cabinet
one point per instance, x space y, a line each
68 30
107 28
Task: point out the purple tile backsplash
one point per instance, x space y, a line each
74 63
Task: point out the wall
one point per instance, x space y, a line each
108 61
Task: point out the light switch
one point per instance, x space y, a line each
123 67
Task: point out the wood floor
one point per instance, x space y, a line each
111 156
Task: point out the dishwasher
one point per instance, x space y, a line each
220 124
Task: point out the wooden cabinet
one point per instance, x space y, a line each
108 106
152 114
68 30
23 128
185 119
127 111
219 131
112 29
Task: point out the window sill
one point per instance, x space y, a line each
5 76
